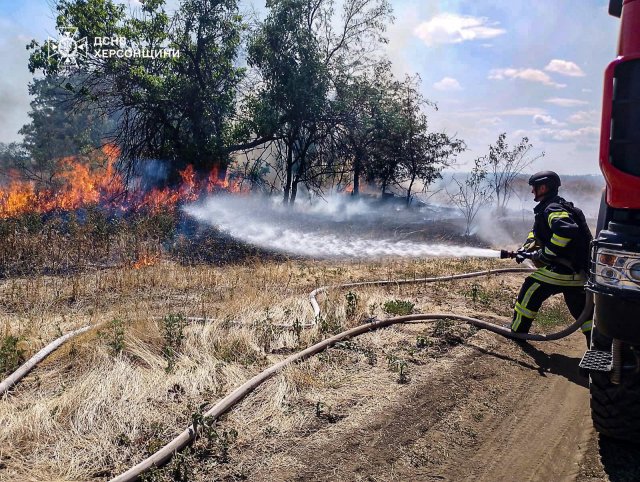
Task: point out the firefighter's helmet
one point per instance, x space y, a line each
549 178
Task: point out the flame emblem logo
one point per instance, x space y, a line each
68 48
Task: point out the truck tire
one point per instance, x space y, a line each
615 409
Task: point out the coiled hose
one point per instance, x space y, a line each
163 455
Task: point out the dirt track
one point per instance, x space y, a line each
494 410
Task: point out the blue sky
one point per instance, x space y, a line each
529 68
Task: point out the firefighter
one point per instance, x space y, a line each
558 245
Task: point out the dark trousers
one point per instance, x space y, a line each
534 292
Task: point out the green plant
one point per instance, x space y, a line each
398 307
402 372
217 441
116 336
553 315
265 331
423 342
442 327
477 294
11 355
352 305
173 333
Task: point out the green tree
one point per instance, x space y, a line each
57 129
174 107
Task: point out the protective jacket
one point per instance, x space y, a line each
561 235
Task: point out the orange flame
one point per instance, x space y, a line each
91 180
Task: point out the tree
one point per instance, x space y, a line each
504 164
57 129
472 194
298 50
174 107
429 154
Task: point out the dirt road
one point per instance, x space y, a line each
494 410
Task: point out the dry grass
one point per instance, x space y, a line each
93 410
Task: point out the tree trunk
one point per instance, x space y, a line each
289 177
357 171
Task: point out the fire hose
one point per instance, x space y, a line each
163 455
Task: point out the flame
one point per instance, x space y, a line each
145 260
94 180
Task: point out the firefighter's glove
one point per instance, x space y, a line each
521 255
536 256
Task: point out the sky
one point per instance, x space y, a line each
528 68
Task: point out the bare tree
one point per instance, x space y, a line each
504 164
472 194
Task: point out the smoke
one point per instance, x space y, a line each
337 228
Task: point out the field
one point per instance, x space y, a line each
180 324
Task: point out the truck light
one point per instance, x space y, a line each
634 272
617 269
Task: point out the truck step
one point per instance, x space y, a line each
601 361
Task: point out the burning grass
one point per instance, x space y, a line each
119 392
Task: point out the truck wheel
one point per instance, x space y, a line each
615 409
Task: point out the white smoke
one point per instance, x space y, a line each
335 228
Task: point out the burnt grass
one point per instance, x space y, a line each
63 242
68 242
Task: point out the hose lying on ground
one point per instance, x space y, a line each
30 364
163 455
181 441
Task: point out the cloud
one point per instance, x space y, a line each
585 117
490 121
530 75
546 120
563 102
564 67
582 135
450 28
524 111
447 84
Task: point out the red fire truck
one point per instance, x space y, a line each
614 279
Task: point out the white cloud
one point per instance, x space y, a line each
564 67
524 111
546 120
450 28
585 117
530 75
584 134
563 102
490 121
447 84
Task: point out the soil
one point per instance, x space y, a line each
493 410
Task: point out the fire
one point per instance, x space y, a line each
94 180
145 260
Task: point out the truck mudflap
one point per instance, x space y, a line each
618 317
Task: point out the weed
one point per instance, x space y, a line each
477 294
442 327
398 307
423 342
265 331
11 355
372 309
402 372
553 315
297 330
217 442
173 333
116 336
328 325
398 365
352 305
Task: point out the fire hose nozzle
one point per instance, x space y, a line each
504 254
